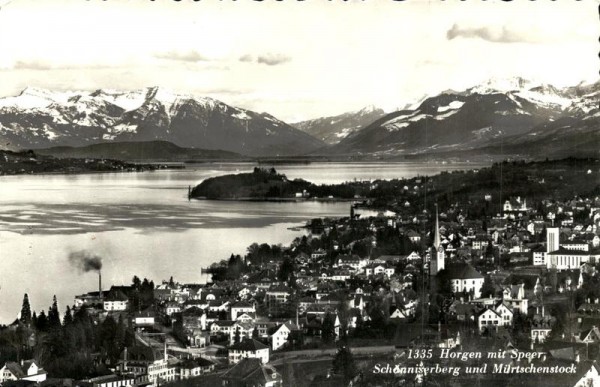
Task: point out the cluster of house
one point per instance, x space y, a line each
244 315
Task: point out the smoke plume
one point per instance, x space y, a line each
85 261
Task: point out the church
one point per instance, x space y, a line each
437 253
463 277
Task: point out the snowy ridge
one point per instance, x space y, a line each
34 98
125 100
39 118
405 119
515 110
88 108
502 85
333 129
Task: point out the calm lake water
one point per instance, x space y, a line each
142 224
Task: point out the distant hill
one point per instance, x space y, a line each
30 162
267 184
260 184
39 118
144 150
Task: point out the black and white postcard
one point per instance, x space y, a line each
299 193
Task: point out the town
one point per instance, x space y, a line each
423 275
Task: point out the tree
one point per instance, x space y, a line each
120 336
107 337
328 328
25 311
68 319
343 364
235 267
316 226
53 315
444 284
489 250
487 289
42 322
286 270
135 282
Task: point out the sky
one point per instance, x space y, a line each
295 59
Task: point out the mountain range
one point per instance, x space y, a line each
38 118
333 129
140 151
506 116
500 117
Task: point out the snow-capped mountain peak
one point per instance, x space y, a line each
367 109
35 98
503 85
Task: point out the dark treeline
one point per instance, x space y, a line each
560 179
75 346
267 183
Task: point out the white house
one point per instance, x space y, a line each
171 308
514 297
26 370
241 307
115 301
488 318
516 205
221 327
248 348
399 313
144 318
539 334
280 335
190 368
353 261
150 365
539 257
464 278
414 236
505 313
242 329
111 381
591 335
319 253
277 294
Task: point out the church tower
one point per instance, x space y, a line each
438 255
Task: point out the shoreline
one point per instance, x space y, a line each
189 165
286 200
91 172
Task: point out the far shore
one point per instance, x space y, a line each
246 199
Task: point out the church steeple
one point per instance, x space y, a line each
436 239
438 255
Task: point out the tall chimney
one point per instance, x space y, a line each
100 285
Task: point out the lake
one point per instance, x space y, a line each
142 224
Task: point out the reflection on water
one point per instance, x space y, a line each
142 224
80 218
